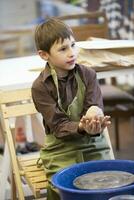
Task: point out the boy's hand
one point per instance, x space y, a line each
95 124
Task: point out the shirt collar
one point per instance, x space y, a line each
46 72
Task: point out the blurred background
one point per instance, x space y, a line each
18 19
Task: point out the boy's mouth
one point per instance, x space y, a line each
71 62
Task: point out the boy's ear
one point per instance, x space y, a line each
43 54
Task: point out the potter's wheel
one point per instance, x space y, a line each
103 180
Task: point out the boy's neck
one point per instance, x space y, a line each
61 73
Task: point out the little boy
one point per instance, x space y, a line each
63 93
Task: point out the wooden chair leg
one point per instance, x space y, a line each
13 188
12 178
117 145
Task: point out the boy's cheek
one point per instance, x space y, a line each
77 51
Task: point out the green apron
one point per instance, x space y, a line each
59 153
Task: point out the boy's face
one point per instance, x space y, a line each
63 55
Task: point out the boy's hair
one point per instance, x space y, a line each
47 33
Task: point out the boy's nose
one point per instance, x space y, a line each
71 52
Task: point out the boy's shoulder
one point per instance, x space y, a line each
39 81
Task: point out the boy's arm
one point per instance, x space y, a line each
55 120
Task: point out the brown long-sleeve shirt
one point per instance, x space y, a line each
45 98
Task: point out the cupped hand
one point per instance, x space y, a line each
94 125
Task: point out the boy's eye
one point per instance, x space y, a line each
63 49
73 44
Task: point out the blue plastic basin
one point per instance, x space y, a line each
63 180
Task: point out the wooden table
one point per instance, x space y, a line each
20 72
15 72
113 71
114 57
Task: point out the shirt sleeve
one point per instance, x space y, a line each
56 121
